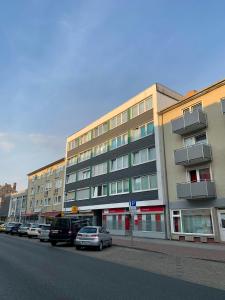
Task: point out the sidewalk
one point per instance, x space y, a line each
214 252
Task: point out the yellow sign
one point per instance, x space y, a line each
74 209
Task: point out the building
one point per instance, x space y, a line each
45 192
194 141
17 206
5 195
119 158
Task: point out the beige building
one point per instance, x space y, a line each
193 131
45 191
17 206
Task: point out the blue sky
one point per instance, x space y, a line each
65 63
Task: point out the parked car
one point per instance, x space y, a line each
23 229
66 229
15 228
93 236
34 230
44 233
9 226
2 227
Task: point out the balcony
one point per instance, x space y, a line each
196 190
223 106
189 122
194 154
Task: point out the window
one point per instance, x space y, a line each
197 139
85 138
144 183
119 187
119 141
100 149
57 200
99 169
142 131
48 186
143 156
58 183
83 174
197 175
99 191
72 161
84 156
196 221
118 120
73 144
100 130
141 107
70 196
82 194
119 163
195 107
71 178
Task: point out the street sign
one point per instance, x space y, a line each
74 209
132 206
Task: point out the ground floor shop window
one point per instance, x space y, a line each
197 221
149 222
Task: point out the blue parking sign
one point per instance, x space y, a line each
132 203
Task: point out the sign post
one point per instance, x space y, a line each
133 211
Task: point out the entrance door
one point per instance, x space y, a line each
221 217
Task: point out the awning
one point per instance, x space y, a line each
51 214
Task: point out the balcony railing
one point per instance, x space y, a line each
194 154
196 190
189 122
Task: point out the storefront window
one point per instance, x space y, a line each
197 221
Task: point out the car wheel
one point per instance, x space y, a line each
100 247
53 243
110 243
41 240
78 247
29 236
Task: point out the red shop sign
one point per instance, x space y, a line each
151 208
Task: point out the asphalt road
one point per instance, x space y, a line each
32 270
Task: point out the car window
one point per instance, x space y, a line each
88 230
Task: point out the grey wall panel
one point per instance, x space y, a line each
142 196
192 204
131 124
148 141
147 168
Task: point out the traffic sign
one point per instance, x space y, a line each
132 206
74 209
132 203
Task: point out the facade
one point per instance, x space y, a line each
194 141
45 192
5 196
17 206
119 158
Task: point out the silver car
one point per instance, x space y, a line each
44 233
93 236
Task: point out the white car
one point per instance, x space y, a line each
34 230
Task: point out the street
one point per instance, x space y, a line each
33 270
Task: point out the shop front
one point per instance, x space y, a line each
192 224
148 221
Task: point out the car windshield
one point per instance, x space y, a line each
60 223
45 227
34 226
88 230
25 225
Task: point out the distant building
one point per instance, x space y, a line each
45 192
5 196
17 206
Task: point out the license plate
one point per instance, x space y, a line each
55 231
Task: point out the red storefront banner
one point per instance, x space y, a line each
150 208
51 214
115 210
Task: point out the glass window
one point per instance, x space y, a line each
83 174
148 104
201 138
201 224
119 163
99 169
113 188
153 182
142 131
197 106
145 183
126 185
204 174
137 184
119 187
134 111
82 194
99 191
124 116
141 107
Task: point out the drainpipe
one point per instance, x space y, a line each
168 223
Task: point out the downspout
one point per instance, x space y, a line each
168 222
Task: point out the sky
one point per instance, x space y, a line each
64 64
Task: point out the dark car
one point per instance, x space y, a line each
12 227
66 229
